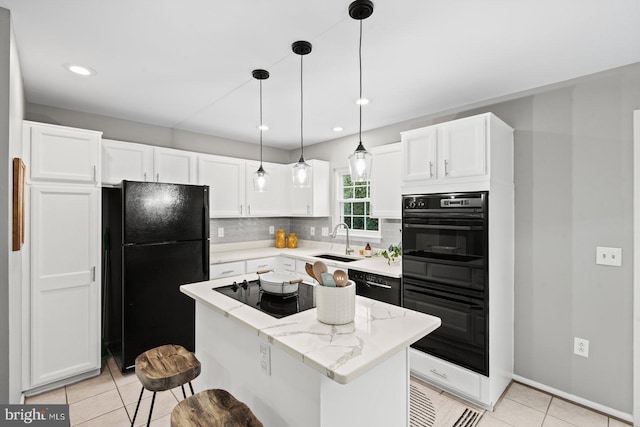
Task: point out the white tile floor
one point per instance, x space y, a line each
110 400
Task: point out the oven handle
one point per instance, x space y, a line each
444 227
377 285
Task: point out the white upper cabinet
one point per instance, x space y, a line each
461 155
386 181
62 154
419 161
225 177
272 202
126 161
174 166
463 147
314 200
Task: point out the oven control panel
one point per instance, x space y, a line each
444 201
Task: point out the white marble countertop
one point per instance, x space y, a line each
342 352
377 264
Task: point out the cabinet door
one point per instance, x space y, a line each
229 269
315 199
419 150
273 201
65 298
174 166
226 180
463 147
125 161
386 182
62 154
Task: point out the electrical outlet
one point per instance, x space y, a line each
312 231
325 231
609 256
581 347
265 358
220 231
272 229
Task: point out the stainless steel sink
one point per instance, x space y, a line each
336 257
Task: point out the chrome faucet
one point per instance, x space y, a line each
348 249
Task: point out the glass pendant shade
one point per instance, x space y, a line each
360 163
301 174
260 180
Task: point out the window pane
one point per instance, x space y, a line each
358 223
360 192
367 207
348 221
347 209
348 193
346 180
372 224
358 208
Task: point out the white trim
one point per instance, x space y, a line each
573 398
636 268
355 235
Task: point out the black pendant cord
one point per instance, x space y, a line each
301 114
360 99
260 124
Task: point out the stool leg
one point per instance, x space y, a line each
153 399
191 387
135 414
184 395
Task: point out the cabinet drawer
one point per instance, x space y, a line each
254 265
288 264
446 374
217 271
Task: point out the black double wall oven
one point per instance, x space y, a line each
445 273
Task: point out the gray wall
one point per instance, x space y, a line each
11 115
573 164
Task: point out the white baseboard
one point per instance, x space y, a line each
576 399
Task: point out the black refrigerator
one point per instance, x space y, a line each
156 239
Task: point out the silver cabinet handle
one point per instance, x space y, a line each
248 209
308 209
157 177
441 375
240 209
95 172
145 176
227 272
430 169
263 265
93 273
446 172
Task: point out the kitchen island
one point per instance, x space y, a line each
296 371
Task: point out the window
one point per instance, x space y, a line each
354 206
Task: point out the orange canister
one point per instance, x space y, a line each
292 243
280 239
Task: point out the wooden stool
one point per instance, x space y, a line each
213 408
163 368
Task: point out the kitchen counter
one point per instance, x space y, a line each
377 264
337 375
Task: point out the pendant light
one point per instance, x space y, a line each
260 177
301 170
360 161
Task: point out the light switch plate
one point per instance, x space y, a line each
325 231
609 256
220 231
272 229
581 347
312 231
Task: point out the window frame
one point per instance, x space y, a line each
357 235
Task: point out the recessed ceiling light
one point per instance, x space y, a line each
338 129
263 127
80 70
362 101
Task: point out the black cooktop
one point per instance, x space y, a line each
275 305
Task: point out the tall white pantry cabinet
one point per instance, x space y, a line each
61 292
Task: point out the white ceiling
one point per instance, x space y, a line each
187 64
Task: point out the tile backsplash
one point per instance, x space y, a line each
254 229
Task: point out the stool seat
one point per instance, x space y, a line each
166 367
213 408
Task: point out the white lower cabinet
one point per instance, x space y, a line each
287 264
449 376
64 291
228 269
261 264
